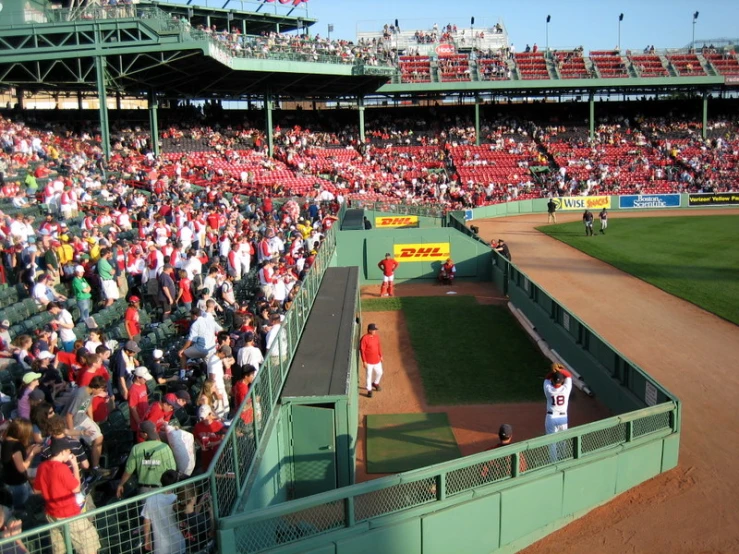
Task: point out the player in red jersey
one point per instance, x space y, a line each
388 267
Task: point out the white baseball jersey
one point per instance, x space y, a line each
558 398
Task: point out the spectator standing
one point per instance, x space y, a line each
217 365
82 292
167 291
208 431
17 454
59 486
78 413
249 354
132 319
201 341
138 397
66 325
108 277
371 353
122 365
551 211
161 530
503 250
148 460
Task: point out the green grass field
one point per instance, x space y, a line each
694 258
468 353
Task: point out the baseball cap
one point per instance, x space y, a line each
171 399
5 324
141 371
134 298
158 354
204 411
372 327
558 379
149 429
131 346
79 269
60 445
183 395
45 355
37 394
30 377
505 432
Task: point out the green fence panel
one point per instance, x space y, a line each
472 528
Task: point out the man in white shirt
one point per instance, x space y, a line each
250 354
557 389
216 372
66 325
201 341
276 335
43 293
161 529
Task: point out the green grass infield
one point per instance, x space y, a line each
468 353
694 258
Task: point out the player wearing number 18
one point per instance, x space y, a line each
557 388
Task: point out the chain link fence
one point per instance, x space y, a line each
272 527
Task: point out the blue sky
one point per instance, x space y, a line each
592 24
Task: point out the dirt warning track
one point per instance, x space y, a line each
691 509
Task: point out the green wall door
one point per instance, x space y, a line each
314 450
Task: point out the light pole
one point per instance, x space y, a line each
620 19
330 29
472 30
695 18
549 18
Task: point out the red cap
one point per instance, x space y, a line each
171 399
134 299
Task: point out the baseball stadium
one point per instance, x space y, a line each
420 291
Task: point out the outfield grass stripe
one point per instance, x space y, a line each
693 258
472 354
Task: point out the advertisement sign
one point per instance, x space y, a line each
430 252
731 79
582 203
396 221
714 199
444 50
648 201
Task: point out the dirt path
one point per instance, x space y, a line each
475 426
692 509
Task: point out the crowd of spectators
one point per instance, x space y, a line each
223 269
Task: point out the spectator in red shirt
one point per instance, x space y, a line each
59 486
241 390
138 397
208 433
184 290
161 412
388 267
131 318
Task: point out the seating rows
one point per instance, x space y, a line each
648 65
609 64
723 64
686 65
571 65
532 65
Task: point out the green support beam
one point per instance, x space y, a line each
360 106
591 119
154 122
270 129
478 138
103 100
704 126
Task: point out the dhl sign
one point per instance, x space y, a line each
422 252
397 221
582 203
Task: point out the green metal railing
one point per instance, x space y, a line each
400 208
118 526
423 491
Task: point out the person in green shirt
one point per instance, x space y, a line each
81 290
31 184
148 460
107 276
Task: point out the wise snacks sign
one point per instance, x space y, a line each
582 203
430 252
396 221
